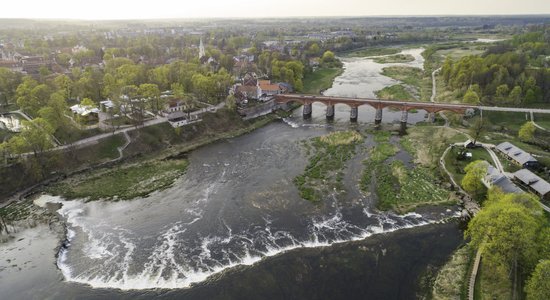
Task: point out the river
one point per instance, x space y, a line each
237 217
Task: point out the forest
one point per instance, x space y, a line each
513 72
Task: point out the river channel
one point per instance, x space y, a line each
234 227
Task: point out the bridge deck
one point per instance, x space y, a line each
407 105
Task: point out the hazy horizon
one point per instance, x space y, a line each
249 9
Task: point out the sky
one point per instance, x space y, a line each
152 9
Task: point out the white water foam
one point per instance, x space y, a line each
290 122
163 269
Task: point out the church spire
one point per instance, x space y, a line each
201 50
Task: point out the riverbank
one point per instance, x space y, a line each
149 168
321 79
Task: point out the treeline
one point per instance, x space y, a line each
510 73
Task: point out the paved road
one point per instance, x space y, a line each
434 85
156 121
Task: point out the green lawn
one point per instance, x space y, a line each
72 134
320 80
456 167
506 120
543 120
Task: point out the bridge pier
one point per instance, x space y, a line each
404 118
378 116
306 111
353 114
330 112
431 117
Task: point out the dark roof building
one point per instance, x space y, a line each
534 182
517 155
496 178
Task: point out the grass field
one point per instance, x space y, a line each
127 182
456 167
320 80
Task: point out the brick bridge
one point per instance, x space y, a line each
378 104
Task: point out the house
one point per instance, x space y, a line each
243 92
85 112
32 64
471 144
175 105
106 106
533 182
180 118
517 155
266 88
250 79
496 178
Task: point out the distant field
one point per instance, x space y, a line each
372 52
458 53
398 58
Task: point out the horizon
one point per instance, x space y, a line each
277 17
104 10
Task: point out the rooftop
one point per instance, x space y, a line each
515 153
530 179
497 178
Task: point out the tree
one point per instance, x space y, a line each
151 92
35 137
538 286
54 113
314 49
87 102
328 57
471 97
475 171
508 233
502 91
8 84
527 132
477 129
515 94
